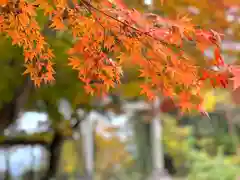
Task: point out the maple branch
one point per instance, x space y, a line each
88 6
14 141
85 3
104 29
33 139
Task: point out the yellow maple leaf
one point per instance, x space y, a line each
209 102
29 69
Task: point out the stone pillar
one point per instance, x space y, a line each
157 146
157 149
88 145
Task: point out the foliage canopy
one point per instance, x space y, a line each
108 36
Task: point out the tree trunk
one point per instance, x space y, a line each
10 110
54 156
7 161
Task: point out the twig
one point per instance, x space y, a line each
125 24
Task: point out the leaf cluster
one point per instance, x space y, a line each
108 36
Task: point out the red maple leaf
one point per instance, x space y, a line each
222 80
218 58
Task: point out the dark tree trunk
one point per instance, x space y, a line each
54 156
7 161
10 110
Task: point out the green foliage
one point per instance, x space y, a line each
41 137
69 156
213 133
175 141
11 68
71 159
122 174
211 144
208 163
205 167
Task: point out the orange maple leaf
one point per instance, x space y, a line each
57 23
29 69
74 62
89 89
3 2
48 77
146 90
24 19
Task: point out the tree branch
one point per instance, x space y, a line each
33 139
90 6
12 141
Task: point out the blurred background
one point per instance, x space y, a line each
59 132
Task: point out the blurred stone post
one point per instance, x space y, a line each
88 145
156 132
157 146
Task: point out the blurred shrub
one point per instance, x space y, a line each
206 167
211 144
111 156
199 158
175 141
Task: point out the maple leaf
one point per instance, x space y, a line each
49 67
24 19
29 69
168 92
205 39
146 90
204 75
175 36
185 102
107 28
74 62
122 58
89 89
222 79
28 56
109 42
48 77
160 33
3 2
218 57
185 106
57 23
